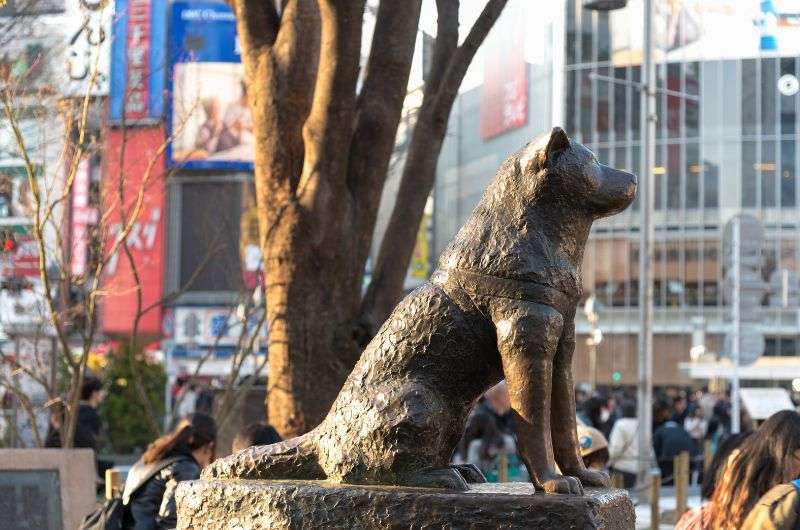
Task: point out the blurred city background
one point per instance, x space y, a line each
137 84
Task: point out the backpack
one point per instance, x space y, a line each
111 514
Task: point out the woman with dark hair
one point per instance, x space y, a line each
699 519
175 457
768 458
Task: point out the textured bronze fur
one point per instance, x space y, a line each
501 305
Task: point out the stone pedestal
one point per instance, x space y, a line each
251 505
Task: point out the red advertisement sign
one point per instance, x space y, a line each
138 51
504 94
146 237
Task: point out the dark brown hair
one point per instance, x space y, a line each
765 460
255 434
192 432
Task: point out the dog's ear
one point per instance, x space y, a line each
557 143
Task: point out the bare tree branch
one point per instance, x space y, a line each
419 171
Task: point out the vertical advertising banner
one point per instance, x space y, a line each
146 237
138 60
504 93
209 116
83 215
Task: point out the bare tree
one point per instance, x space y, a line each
323 144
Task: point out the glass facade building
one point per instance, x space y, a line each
726 143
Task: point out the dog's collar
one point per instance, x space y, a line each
486 285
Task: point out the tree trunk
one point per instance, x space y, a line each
311 349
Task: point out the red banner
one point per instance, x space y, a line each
146 237
504 94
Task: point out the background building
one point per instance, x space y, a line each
727 131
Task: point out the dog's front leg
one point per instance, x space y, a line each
527 338
564 428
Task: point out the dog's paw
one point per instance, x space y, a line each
562 484
593 478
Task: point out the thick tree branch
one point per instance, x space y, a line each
462 58
446 43
328 130
419 172
259 22
378 110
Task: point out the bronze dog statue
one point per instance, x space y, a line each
501 305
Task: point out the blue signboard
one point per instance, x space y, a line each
138 60
209 118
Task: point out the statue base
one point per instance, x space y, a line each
252 505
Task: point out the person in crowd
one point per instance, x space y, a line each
180 455
699 519
696 424
56 420
597 413
623 446
188 400
680 408
89 424
594 448
769 458
205 400
255 434
669 440
489 430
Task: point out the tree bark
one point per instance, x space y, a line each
450 63
318 154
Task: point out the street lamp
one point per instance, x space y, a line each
646 233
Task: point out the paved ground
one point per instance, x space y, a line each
666 503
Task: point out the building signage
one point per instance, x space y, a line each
209 115
146 237
504 93
83 216
138 60
212 326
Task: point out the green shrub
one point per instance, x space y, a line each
124 417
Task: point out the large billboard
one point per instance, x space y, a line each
694 30
146 237
209 120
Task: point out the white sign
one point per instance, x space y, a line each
761 403
210 326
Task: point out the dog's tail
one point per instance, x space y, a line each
295 458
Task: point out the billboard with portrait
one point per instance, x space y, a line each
210 122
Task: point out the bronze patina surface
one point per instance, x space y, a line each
501 305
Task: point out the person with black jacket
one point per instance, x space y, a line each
180 455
